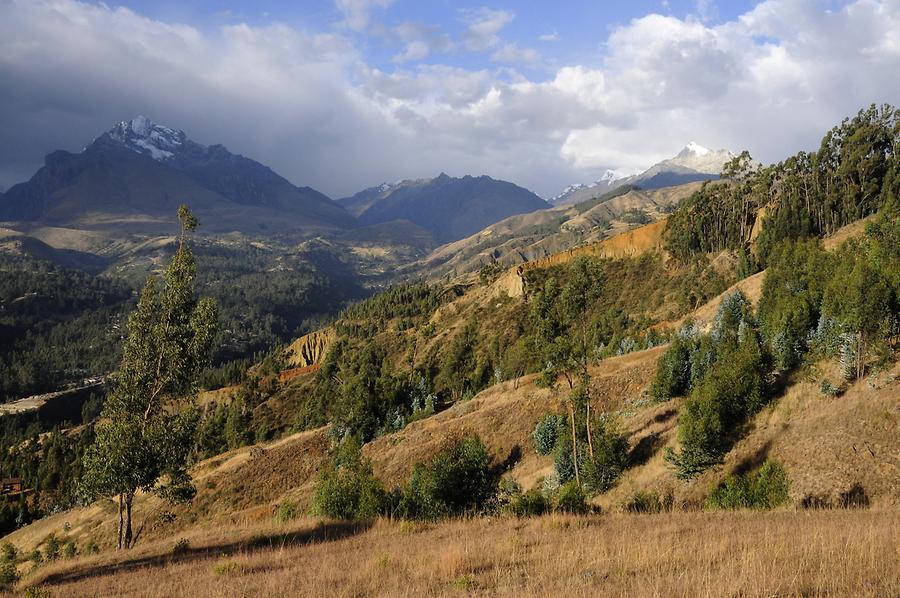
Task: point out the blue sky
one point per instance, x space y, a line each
563 32
346 94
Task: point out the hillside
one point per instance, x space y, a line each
527 237
238 492
449 208
801 423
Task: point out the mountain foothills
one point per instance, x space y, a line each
722 344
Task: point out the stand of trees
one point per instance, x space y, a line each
57 325
814 304
854 173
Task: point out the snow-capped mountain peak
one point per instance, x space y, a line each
700 158
144 136
695 149
567 191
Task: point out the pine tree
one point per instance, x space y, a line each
146 430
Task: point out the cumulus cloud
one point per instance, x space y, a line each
419 41
312 107
356 12
511 53
483 26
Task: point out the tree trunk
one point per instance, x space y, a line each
587 426
121 526
860 360
574 445
128 500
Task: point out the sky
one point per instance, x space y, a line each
346 94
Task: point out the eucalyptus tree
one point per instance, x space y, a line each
146 430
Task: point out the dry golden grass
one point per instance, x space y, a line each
812 553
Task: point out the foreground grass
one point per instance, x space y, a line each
813 553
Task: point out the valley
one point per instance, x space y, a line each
682 382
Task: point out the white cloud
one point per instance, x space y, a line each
706 10
511 53
356 12
310 106
419 41
483 26
549 37
414 50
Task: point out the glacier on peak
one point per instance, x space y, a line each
144 136
696 149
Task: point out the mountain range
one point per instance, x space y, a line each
693 163
448 207
133 177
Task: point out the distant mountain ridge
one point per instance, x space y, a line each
450 208
138 172
693 163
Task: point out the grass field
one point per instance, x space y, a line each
782 553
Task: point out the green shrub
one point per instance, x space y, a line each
70 550
732 390
349 489
765 489
458 480
563 464
828 389
673 371
182 546
771 486
546 433
644 501
286 511
9 575
600 472
571 498
91 547
8 552
515 502
635 216
51 547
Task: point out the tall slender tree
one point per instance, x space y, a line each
560 317
146 430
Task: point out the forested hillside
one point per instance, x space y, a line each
853 173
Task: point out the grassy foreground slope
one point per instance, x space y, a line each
838 553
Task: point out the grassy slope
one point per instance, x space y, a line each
827 444
840 553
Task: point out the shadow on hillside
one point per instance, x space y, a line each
645 449
754 461
659 418
324 532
